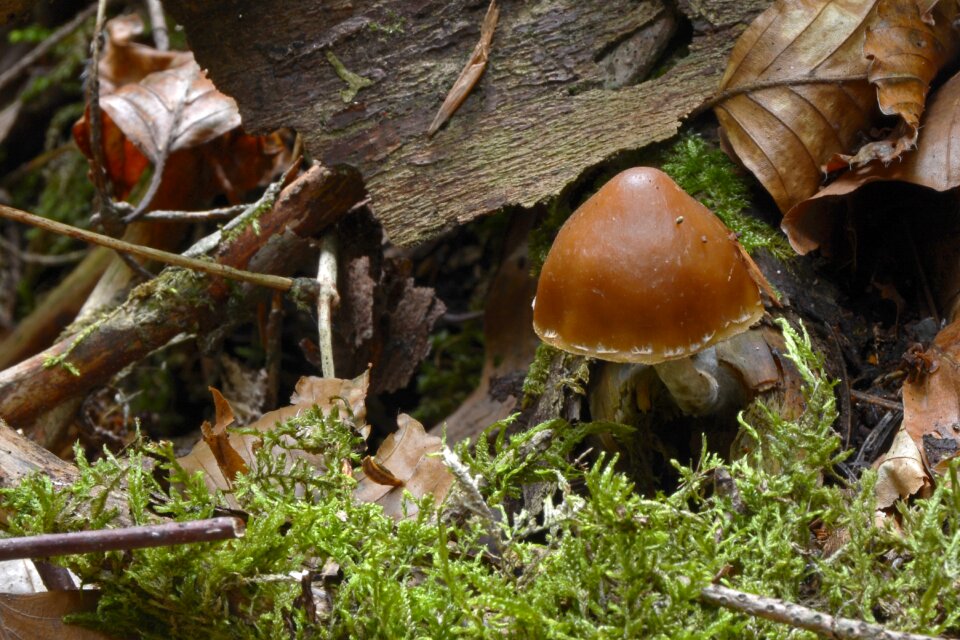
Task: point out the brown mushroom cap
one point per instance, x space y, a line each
642 272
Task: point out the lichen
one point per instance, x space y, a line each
354 82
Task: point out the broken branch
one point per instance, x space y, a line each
99 541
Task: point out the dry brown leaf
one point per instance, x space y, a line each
40 615
230 462
310 391
907 44
152 83
900 472
807 99
406 453
169 110
931 403
127 62
935 165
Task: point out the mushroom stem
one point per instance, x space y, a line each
692 381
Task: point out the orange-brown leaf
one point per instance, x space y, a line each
230 462
126 62
378 473
935 165
810 91
931 403
407 453
906 46
784 134
310 391
40 615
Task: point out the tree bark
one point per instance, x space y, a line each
363 80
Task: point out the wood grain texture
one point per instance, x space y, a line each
547 108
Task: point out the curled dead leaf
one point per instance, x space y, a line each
349 395
931 402
40 615
378 473
900 472
934 165
804 91
230 463
407 452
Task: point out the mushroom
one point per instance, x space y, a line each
643 273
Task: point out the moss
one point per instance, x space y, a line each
591 558
707 174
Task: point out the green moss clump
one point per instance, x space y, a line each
590 558
707 174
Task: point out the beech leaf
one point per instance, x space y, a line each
900 472
931 401
28 616
802 93
906 45
127 62
230 462
310 391
406 453
169 110
935 165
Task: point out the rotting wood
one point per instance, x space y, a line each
171 304
545 111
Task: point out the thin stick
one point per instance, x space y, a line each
44 47
158 24
158 535
801 617
102 202
326 300
165 215
273 343
869 398
204 266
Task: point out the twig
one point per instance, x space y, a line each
165 215
101 197
869 398
55 577
44 47
248 216
103 204
158 535
801 617
273 342
326 300
36 258
158 24
471 73
265 280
